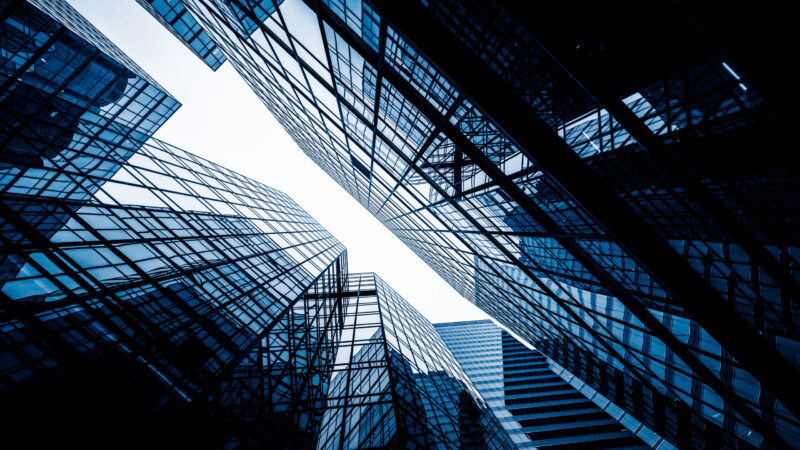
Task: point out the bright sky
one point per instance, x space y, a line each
222 120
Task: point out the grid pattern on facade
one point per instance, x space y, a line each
68 103
162 280
166 221
173 15
395 384
73 21
537 407
521 236
277 394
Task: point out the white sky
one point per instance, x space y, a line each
224 121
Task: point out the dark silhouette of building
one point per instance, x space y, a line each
537 407
149 297
396 385
608 181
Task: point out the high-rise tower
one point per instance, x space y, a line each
395 383
537 407
149 297
622 203
135 276
132 310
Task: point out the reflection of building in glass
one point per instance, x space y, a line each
599 195
138 280
159 288
537 408
70 99
70 103
395 384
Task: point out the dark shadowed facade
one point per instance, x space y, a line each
152 298
135 276
536 406
395 383
624 204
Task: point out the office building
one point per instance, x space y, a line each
276 396
396 385
175 18
599 194
129 311
152 297
135 276
66 87
70 102
538 408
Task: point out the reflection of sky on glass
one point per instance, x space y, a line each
221 119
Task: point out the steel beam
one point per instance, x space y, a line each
539 143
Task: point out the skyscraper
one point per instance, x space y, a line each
66 87
175 18
71 103
135 276
132 309
277 395
598 194
537 407
395 384
149 297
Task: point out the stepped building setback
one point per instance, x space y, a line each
150 297
610 182
537 407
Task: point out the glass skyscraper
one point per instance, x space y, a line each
134 309
136 277
396 385
599 194
537 407
68 94
149 297
276 396
175 18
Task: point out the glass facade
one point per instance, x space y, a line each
173 15
276 396
396 385
149 297
158 287
538 408
178 20
137 277
69 94
598 195
73 109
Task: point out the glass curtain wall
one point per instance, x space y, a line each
395 384
579 213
